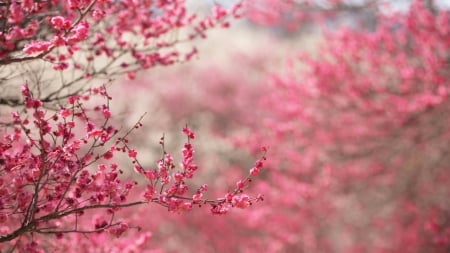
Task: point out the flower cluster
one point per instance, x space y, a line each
56 170
103 28
169 187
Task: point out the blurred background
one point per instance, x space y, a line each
351 99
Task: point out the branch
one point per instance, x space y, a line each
31 226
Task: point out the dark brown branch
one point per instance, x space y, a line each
31 225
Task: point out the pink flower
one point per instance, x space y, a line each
59 23
219 12
81 32
254 171
101 167
229 197
25 90
131 75
15 13
108 155
98 15
94 133
150 174
106 113
219 209
197 196
36 47
189 133
259 164
132 153
138 169
118 230
60 66
241 201
240 184
72 99
178 177
149 192
73 4
186 206
203 188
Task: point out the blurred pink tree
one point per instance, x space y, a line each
358 136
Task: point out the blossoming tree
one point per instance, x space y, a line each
59 177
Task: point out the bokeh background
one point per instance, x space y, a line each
351 100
